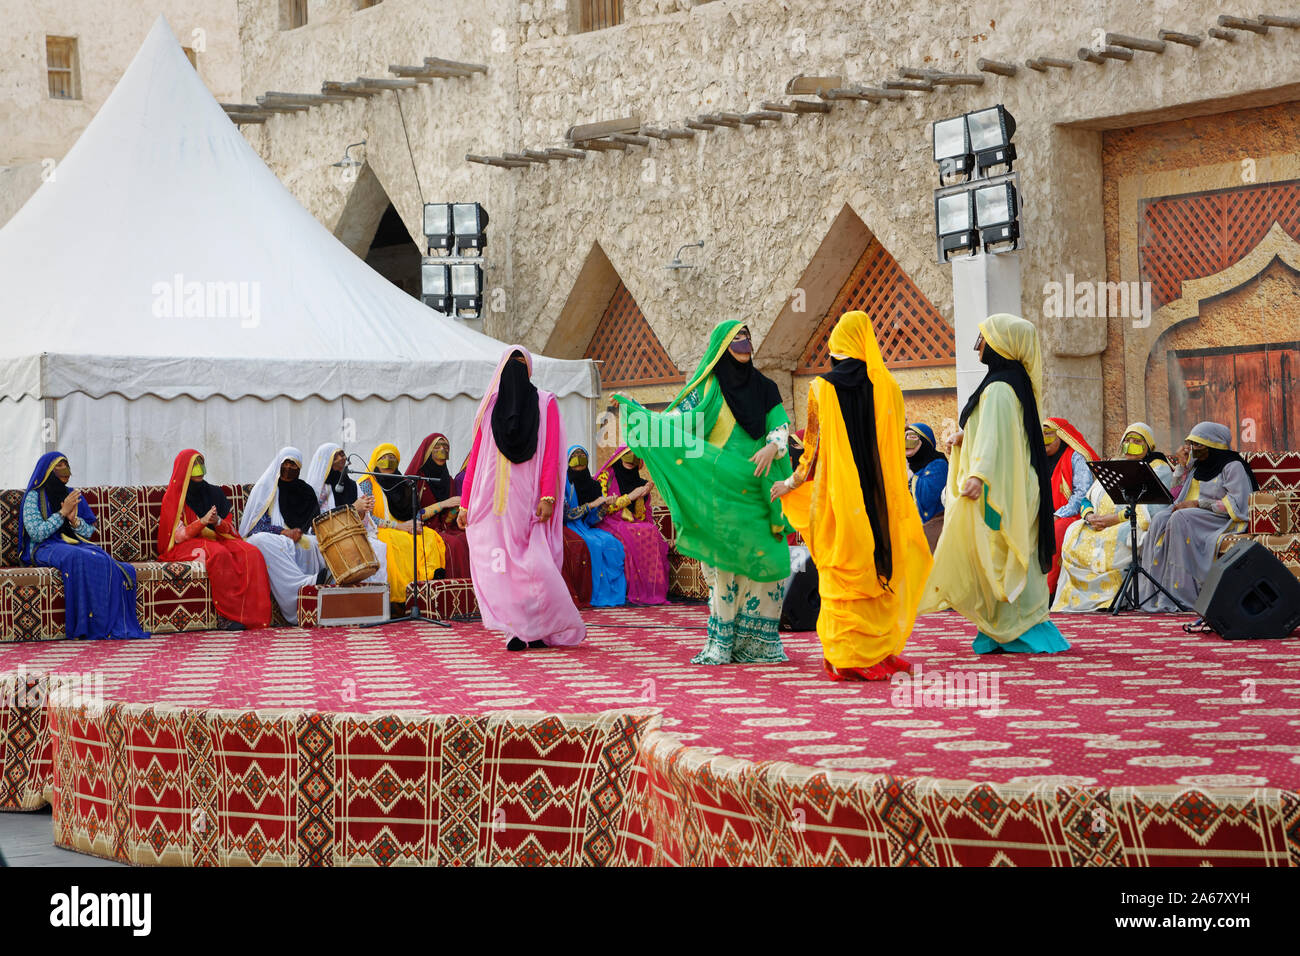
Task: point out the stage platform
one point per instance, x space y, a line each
412 744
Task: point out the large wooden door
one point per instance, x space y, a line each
1252 390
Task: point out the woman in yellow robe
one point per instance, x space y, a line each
849 499
392 513
992 559
1097 550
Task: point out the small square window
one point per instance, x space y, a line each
62 68
293 14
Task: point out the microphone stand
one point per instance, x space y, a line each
414 616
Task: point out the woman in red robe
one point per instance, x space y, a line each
440 500
196 520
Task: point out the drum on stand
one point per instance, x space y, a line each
344 545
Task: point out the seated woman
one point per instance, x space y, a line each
328 477
395 519
1097 550
57 525
440 501
1214 501
631 520
928 476
277 521
576 569
195 525
584 509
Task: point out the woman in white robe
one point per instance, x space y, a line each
277 521
328 477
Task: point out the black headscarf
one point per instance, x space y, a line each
628 477
748 392
1209 467
343 485
439 484
55 492
858 409
1003 369
516 415
200 496
796 451
397 491
586 487
298 504
924 455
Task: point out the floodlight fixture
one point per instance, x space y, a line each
467 288
990 131
954 216
952 150
469 222
437 227
996 209
435 285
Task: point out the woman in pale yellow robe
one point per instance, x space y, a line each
849 499
392 513
1096 550
991 562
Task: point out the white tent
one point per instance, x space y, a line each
164 290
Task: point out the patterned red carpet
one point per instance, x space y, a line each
1136 702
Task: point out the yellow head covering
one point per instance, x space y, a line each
387 448
855 337
1014 338
1143 429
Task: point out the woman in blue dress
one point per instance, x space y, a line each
584 509
99 592
929 475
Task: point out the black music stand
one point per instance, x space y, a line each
413 615
1133 483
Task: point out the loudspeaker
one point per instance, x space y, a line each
1249 593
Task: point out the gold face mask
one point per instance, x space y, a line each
386 463
1049 437
440 453
577 461
1134 448
198 471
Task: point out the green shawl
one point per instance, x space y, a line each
723 515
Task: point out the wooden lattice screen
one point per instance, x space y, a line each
629 348
910 330
1189 237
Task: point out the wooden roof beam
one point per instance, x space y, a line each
1135 43
1186 39
386 83
996 66
730 120
456 66
798 106
242 119
493 161
1241 23
300 99
761 116
1042 63
917 86
353 89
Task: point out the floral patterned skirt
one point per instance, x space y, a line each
743 620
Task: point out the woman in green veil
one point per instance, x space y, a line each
714 454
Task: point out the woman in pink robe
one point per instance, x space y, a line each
631 520
508 510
